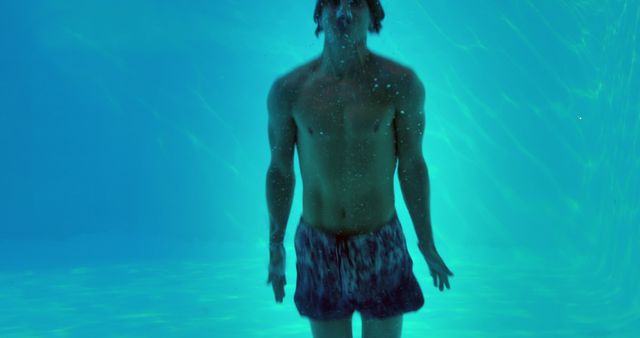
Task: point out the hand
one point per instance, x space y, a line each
439 270
277 259
278 283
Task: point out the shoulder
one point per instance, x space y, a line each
400 74
391 67
287 86
404 77
294 78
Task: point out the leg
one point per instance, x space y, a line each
339 328
319 295
386 285
390 327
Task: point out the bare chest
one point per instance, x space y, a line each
345 110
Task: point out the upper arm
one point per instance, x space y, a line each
409 120
282 128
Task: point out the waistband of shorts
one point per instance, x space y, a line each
392 221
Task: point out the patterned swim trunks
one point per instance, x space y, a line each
370 273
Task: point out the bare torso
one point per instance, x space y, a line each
346 145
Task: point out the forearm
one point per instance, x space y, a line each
280 186
414 183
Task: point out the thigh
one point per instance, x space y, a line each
390 327
379 260
383 274
337 328
319 293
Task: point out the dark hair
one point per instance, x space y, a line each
375 9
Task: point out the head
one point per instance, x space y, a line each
355 17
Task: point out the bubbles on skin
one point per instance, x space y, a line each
387 86
375 85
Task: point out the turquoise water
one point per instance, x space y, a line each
134 151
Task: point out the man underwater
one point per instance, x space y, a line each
352 115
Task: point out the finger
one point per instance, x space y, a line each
278 288
449 272
280 295
277 294
441 283
446 282
433 275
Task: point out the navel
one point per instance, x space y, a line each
310 130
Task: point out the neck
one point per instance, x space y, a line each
340 62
